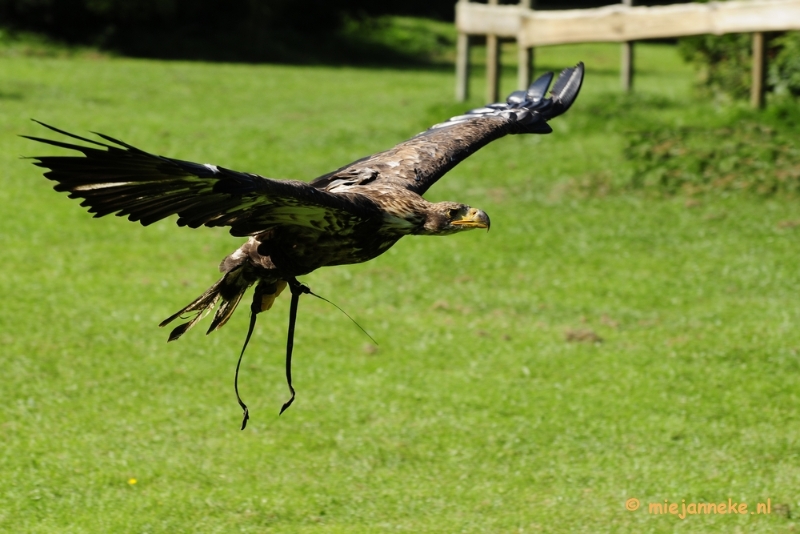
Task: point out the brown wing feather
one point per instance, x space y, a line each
418 163
121 179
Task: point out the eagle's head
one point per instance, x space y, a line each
445 218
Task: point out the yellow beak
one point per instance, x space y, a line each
474 218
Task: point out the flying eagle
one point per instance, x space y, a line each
350 215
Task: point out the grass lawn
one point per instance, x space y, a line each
491 403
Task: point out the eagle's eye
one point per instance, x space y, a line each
454 212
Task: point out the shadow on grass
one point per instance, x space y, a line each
384 42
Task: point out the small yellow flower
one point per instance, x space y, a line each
131 481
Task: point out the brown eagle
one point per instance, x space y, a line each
350 215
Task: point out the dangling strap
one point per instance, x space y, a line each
297 289
255 309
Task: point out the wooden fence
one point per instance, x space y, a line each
615 23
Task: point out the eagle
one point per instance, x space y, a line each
350 215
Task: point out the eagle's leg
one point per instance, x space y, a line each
297 289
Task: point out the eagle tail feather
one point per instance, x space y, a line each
225 311
229 289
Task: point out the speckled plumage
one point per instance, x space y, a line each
350 215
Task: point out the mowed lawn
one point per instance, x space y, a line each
589 350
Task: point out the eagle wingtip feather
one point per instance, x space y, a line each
567 87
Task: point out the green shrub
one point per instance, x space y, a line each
724 64
744 156
784 69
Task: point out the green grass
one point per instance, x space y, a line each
475 414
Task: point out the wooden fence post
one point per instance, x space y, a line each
492 64
758 71
626 70
462 67
524 56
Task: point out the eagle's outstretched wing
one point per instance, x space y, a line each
115 177
418 163
121 179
